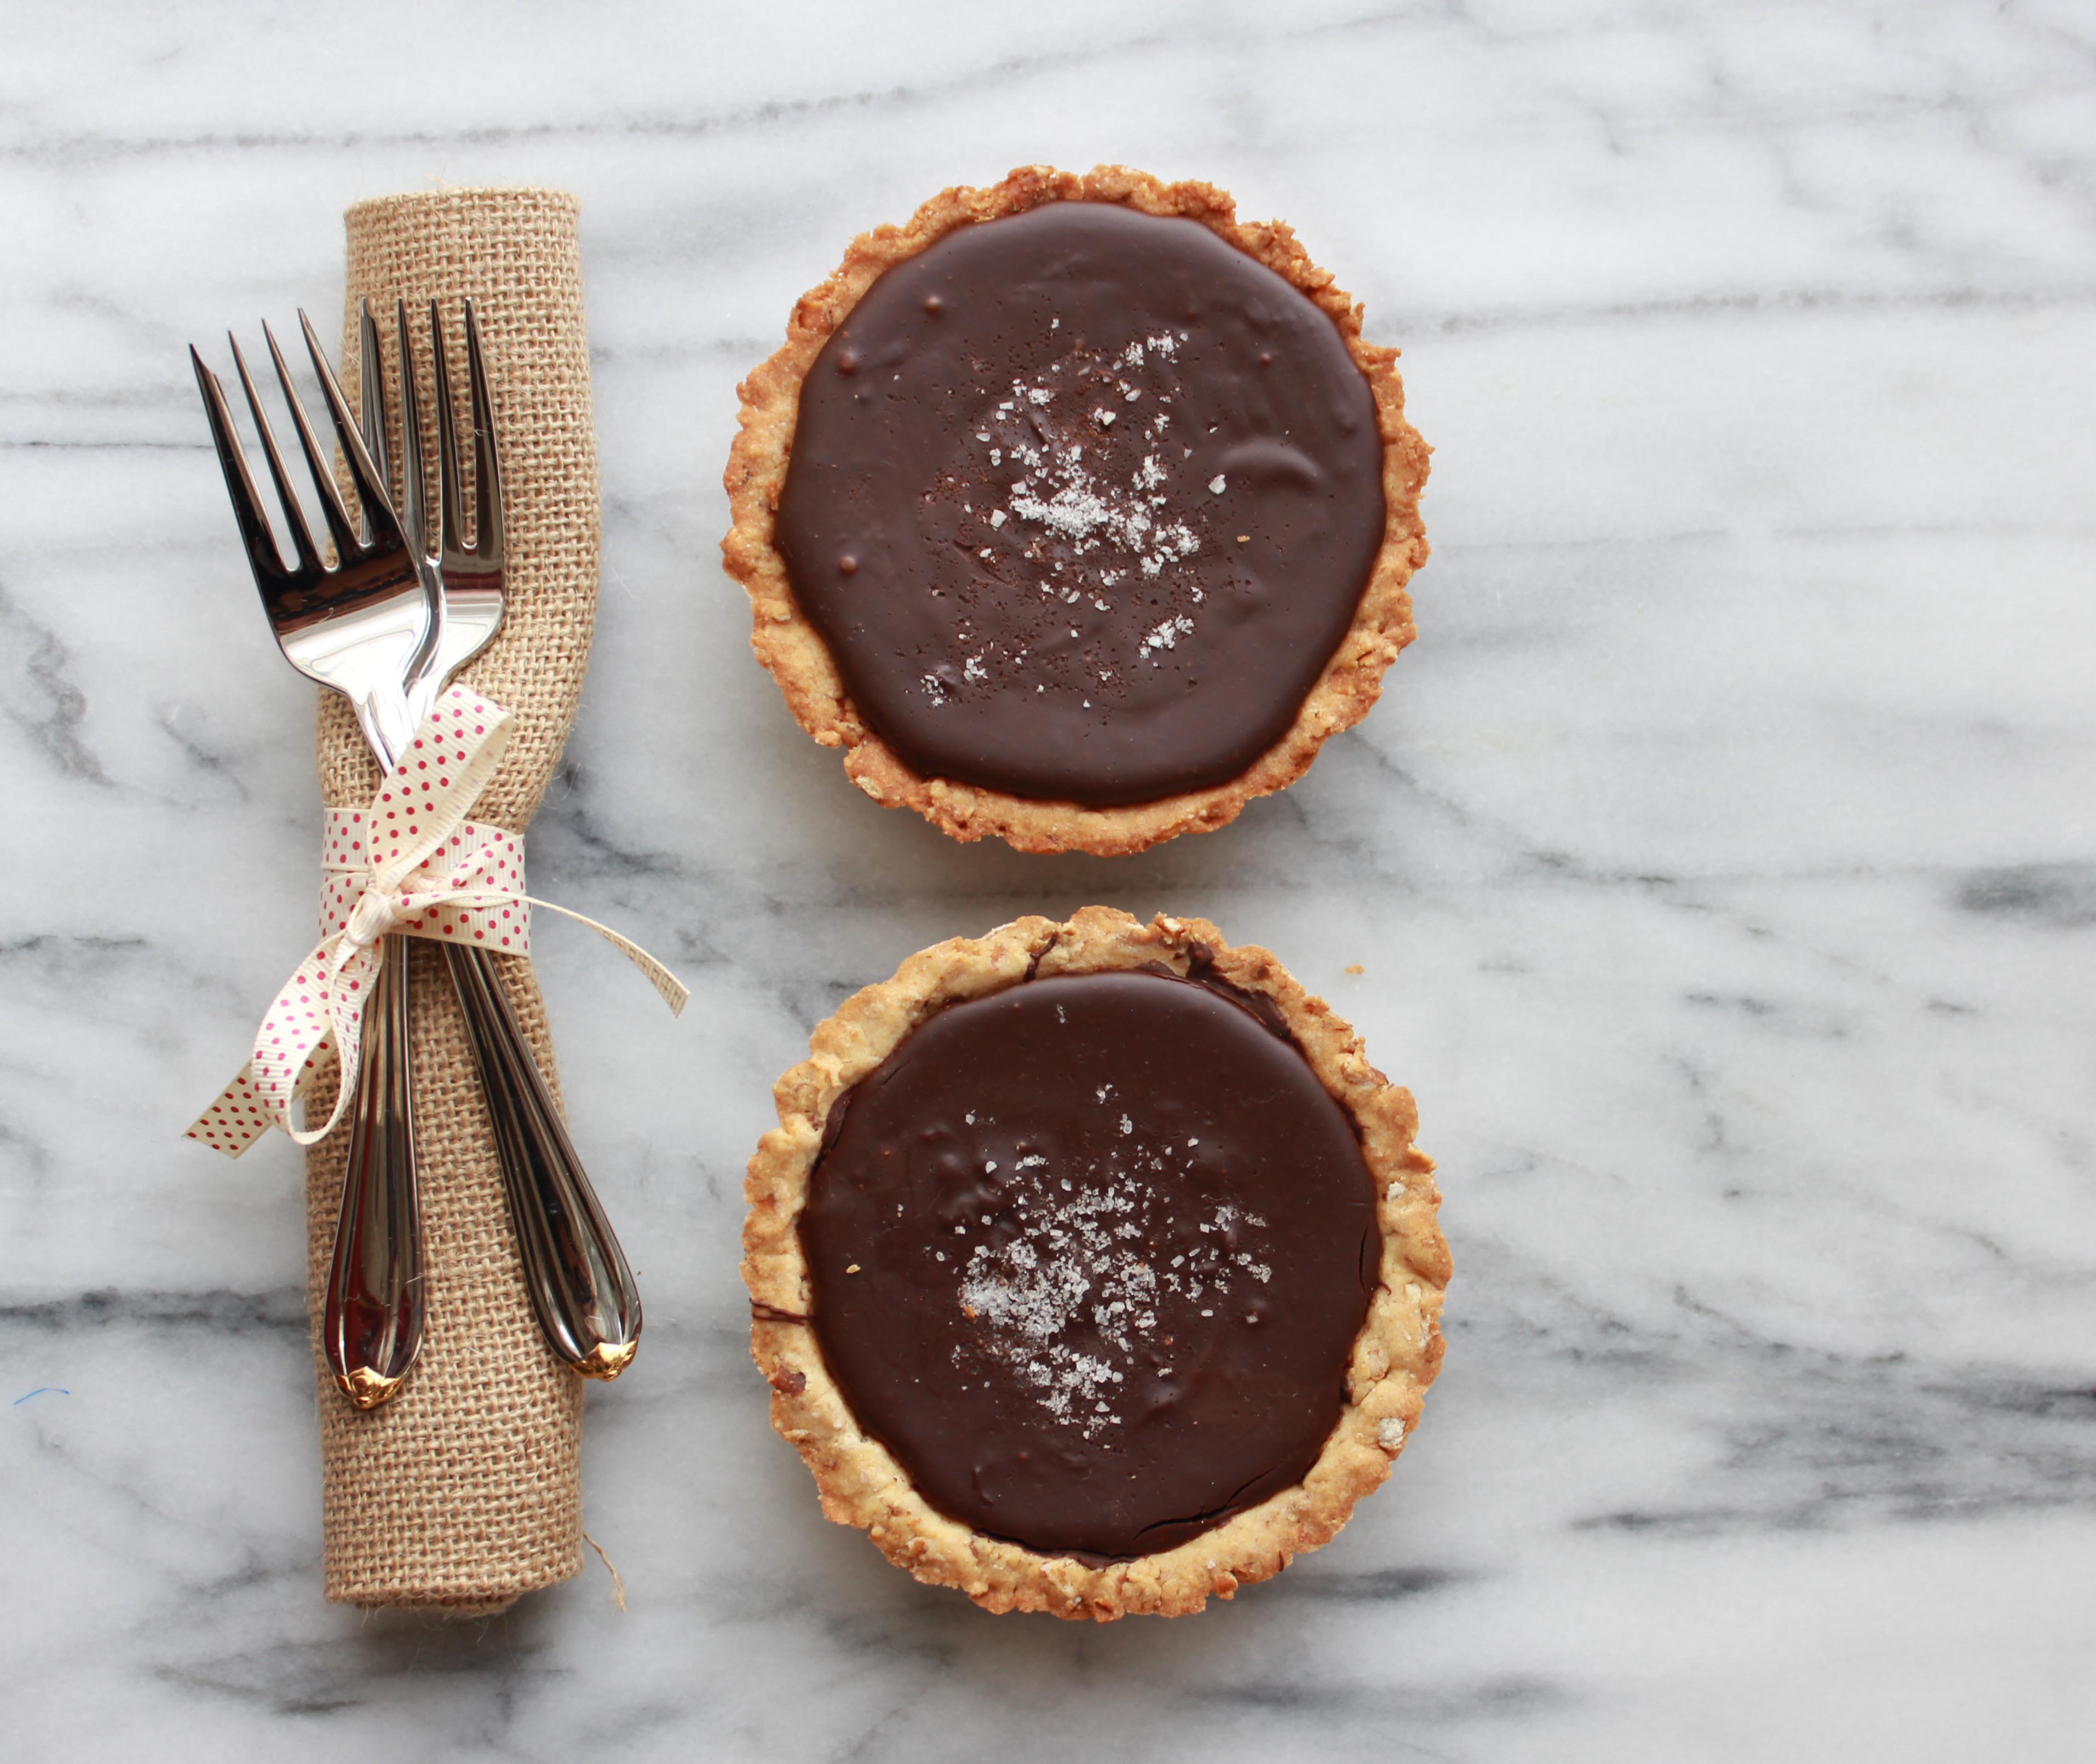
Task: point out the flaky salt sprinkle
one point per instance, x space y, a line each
1059 490
1077 1257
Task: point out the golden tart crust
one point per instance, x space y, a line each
789 645
1395 1356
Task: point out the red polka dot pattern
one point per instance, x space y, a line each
413 864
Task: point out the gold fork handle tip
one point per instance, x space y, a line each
367 1390
607 1360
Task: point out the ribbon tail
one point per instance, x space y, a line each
675 994
240 1117
346 1065
352 969
236 1120
323 1001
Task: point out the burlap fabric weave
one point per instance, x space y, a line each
464 1490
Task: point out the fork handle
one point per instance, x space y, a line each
371 1327
577 1275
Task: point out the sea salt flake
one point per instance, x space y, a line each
1168 634
1077 1261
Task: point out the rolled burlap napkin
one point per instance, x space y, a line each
464 1490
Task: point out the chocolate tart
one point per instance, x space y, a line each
1076 512
1092 1266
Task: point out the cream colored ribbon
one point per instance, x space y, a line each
411 864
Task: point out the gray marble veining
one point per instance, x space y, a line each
1721 864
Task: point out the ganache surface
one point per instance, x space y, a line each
1082 501
1089 1257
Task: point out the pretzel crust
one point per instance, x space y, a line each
1394 1358
791 648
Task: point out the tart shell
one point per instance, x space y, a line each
793 650
1395 1356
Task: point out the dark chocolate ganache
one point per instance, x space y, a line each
1088 1256
1082 502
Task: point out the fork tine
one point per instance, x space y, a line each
453 493
371 484
331 508
262 553
414 469
487 530
302 537
371 388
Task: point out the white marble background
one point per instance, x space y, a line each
1721 862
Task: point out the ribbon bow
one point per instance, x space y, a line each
413 865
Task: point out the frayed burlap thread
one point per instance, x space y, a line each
464 1491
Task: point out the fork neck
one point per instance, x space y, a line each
383 718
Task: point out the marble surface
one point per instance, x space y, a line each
1720 862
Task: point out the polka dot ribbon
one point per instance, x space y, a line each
413 865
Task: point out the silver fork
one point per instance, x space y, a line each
361 627
581 1285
